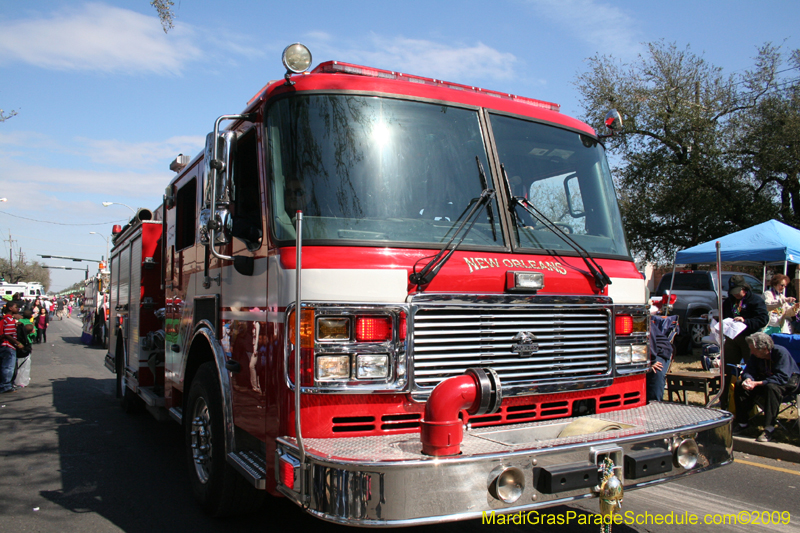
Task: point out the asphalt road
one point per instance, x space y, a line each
71 460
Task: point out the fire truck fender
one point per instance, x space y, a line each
205 347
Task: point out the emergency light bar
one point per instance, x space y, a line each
337 67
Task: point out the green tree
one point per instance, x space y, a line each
677 172
75 288
769 143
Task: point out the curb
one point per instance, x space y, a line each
771 450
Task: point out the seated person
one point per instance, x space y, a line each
770 374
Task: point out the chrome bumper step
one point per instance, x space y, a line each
385 481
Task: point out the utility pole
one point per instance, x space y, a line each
11 256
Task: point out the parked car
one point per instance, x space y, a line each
696 292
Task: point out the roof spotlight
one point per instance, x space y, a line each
296 59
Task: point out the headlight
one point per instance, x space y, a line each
639 353
296 58
372 366
333 367
623 354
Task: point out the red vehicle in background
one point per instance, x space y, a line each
396 300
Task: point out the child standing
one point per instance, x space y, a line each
42 321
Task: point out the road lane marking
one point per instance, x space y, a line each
779 469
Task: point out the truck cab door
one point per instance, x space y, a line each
182 252
245 294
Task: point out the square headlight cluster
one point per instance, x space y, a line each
631 353
360 366
631 338
347 332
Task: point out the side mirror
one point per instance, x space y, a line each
217 172
572 190
215 221
220 220
215 213
613 120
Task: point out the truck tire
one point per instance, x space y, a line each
219 488
696 332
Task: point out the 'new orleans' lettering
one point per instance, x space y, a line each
479 263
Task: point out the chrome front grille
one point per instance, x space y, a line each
574 346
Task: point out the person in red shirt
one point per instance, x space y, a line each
42 321
8 348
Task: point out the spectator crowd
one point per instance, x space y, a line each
25 323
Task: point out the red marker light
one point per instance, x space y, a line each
287 473
373 329
403 327
624 324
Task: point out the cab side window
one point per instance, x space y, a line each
186 215
245 193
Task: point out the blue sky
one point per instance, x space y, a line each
105 99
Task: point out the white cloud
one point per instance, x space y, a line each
56 181
141 155
97 37
137 156
451 62
606 28
88 167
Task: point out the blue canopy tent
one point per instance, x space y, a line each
768 242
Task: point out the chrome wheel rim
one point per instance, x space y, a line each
698 332
202 449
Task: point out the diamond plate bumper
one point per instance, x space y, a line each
387 481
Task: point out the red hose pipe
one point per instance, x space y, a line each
478 391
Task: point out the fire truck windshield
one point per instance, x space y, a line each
376 169
384 170
564 174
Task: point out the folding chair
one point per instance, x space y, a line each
788 402
791 400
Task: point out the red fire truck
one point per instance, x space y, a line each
396 300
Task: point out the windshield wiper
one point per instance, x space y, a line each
426 275
601 279
489 211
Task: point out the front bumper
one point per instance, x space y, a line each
386 481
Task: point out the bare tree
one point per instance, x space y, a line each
164 8
4 117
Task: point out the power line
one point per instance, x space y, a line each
776 73
63 223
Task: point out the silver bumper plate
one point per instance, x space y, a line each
387 481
